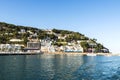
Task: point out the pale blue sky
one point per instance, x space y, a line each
98 19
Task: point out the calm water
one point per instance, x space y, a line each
59 67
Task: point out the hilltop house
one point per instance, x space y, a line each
49 31
22 31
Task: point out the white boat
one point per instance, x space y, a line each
108 55
91 54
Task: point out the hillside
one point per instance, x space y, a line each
58 37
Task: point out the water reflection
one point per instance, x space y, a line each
59 67
98 68
10 67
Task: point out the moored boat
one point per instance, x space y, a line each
91 54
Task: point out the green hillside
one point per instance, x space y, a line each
58 37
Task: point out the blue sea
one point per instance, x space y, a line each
59 67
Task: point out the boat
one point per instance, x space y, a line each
108 55
91 54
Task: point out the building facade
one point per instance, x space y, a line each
33 47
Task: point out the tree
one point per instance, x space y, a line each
85 46
98 47
3 39
25 41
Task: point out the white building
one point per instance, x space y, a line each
10 47
46 46
22 31
73 48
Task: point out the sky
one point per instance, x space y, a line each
99 19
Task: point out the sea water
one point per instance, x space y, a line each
59 67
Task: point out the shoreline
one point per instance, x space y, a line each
57 53
82 54
74 53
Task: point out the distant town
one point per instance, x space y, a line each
18 39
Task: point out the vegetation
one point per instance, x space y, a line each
85 46
63 32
